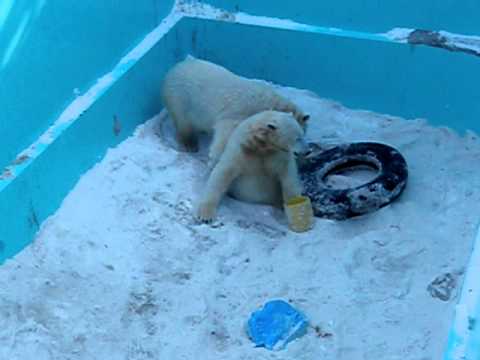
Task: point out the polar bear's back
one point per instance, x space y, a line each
204 93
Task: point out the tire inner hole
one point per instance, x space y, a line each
350 174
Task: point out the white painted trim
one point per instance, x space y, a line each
83 102
463 342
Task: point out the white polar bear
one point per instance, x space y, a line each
258 164
204 97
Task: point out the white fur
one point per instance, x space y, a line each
257 165
204 97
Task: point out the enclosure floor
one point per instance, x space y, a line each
122 272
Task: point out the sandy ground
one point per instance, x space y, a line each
121 271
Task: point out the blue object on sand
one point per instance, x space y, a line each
275 325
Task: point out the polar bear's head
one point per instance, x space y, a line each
271 131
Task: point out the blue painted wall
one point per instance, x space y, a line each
382 76
39 190
368 15
48 48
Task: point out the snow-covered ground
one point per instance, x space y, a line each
121 271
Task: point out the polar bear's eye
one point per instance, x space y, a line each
272 127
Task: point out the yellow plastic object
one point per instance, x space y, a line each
299 213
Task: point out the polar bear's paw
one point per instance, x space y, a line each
205 212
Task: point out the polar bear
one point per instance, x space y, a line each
204 97
258 164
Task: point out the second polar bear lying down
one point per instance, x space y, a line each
204 97
258 164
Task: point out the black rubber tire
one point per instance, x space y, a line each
315 165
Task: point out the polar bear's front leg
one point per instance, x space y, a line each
221 134
217 185
290 181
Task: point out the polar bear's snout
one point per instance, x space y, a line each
301 147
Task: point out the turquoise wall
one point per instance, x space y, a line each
48 48
368 15
383 76
39 189
359 71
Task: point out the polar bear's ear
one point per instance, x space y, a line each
272 127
